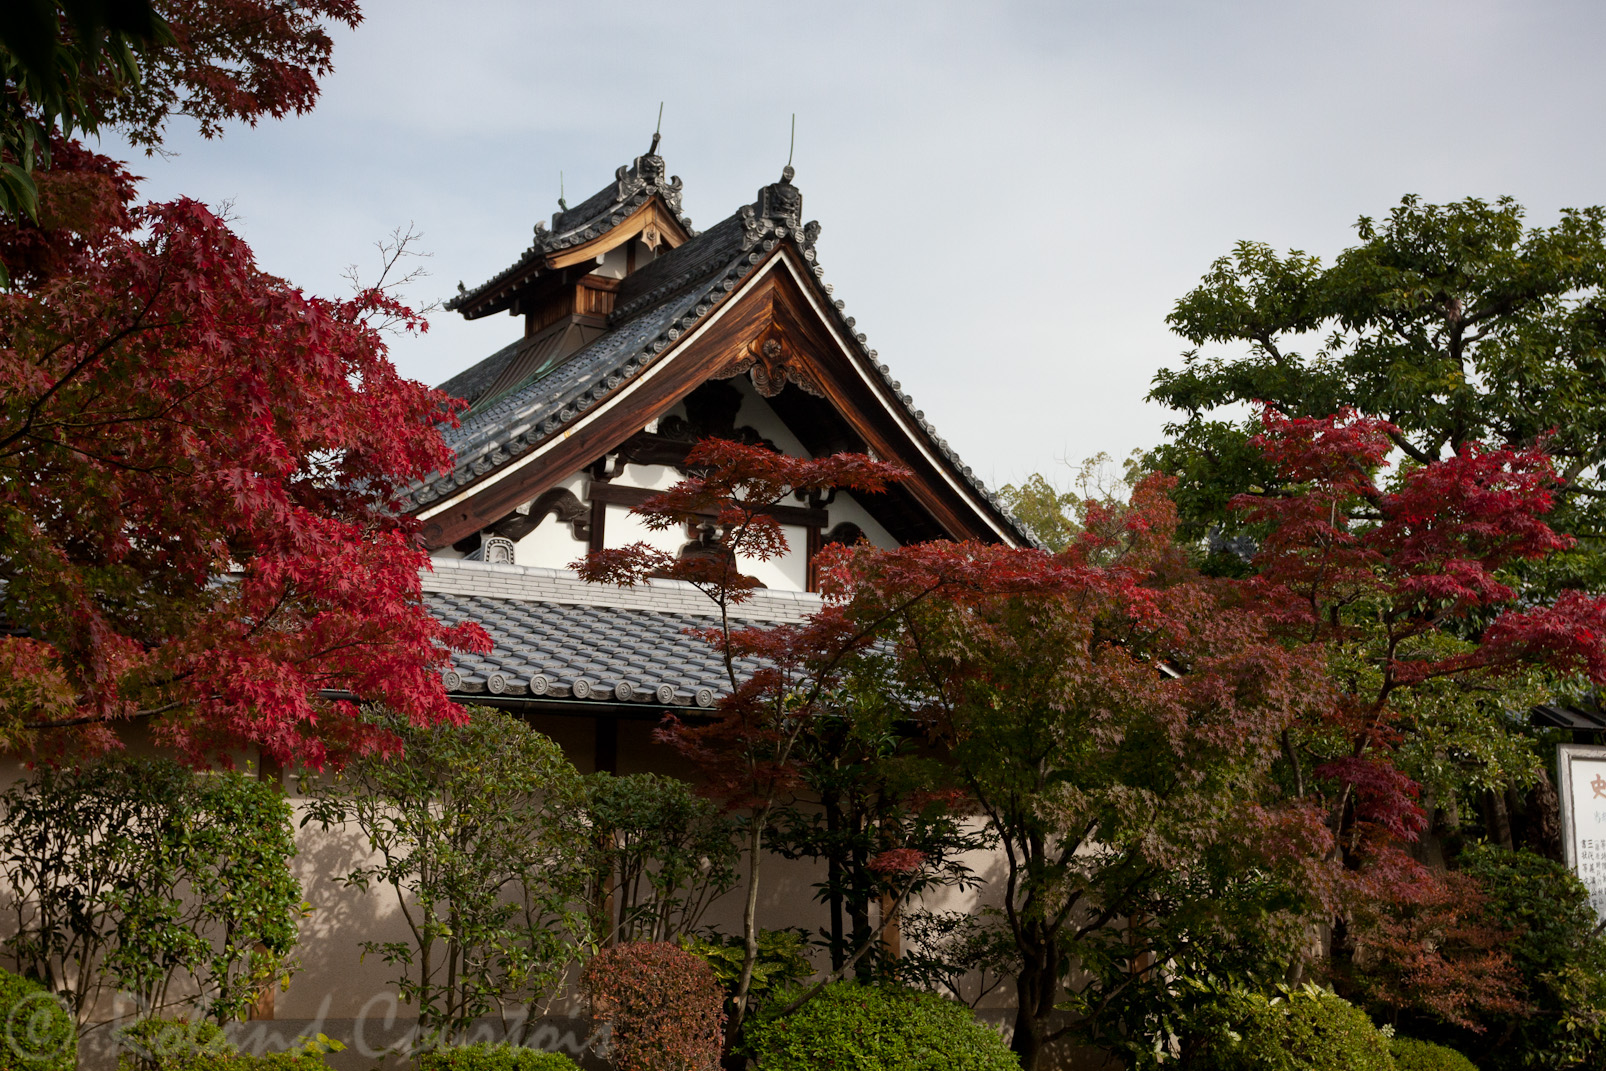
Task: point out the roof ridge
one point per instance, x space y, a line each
452 576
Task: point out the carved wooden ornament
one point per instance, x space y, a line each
770 360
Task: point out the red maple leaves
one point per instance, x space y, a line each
199 477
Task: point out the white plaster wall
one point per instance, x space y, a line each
847 508
790 571
552 543
622 528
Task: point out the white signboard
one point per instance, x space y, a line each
1582 784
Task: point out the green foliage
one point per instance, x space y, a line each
485 1057
849 1026
39 1034
478 830
1055 516
1220 927
665 854
1045 510
661 1006
180 1045
962 952
1561 955
1455 322
1412 1055
781 960
153 1044
135 874
1306 1029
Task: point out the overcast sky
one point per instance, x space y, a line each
1012 195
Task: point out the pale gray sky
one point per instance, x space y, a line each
1012 194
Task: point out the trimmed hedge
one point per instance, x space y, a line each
663 1007
485 1057
179 1045
39 1033
1308 1029
1412 1055
850 1026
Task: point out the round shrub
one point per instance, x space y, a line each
483 1057
1412 1055
849 1026
1307 1029
39 1034
662 1006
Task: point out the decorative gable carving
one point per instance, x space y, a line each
771 361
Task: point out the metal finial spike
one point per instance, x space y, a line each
793 144
562 204
657 131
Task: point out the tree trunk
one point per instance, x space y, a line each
1036 988
1542 830
833 877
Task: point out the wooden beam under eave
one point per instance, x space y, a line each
654 211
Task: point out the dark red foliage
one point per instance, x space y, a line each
1407 578
664 1006
1426 943
200 469
227 60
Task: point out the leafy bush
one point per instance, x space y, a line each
178 1045
1412 1055
1307 1029
481 1057
663 1006
851 1026
1559 955
478 835
667 854
144 876
39 1034
780 964
151 1044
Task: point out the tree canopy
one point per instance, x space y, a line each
1456 324
200 468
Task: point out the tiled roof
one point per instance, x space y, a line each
598 214
655 307
557 638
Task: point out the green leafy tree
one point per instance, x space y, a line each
1456 323
474 828
143 876
665 855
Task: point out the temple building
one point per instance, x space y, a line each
640 336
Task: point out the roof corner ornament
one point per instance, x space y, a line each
777 213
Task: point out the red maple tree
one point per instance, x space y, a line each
1404 586
200 469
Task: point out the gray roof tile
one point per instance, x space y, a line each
646 649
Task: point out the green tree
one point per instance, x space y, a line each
1456 323
143 876
665 855
476 829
